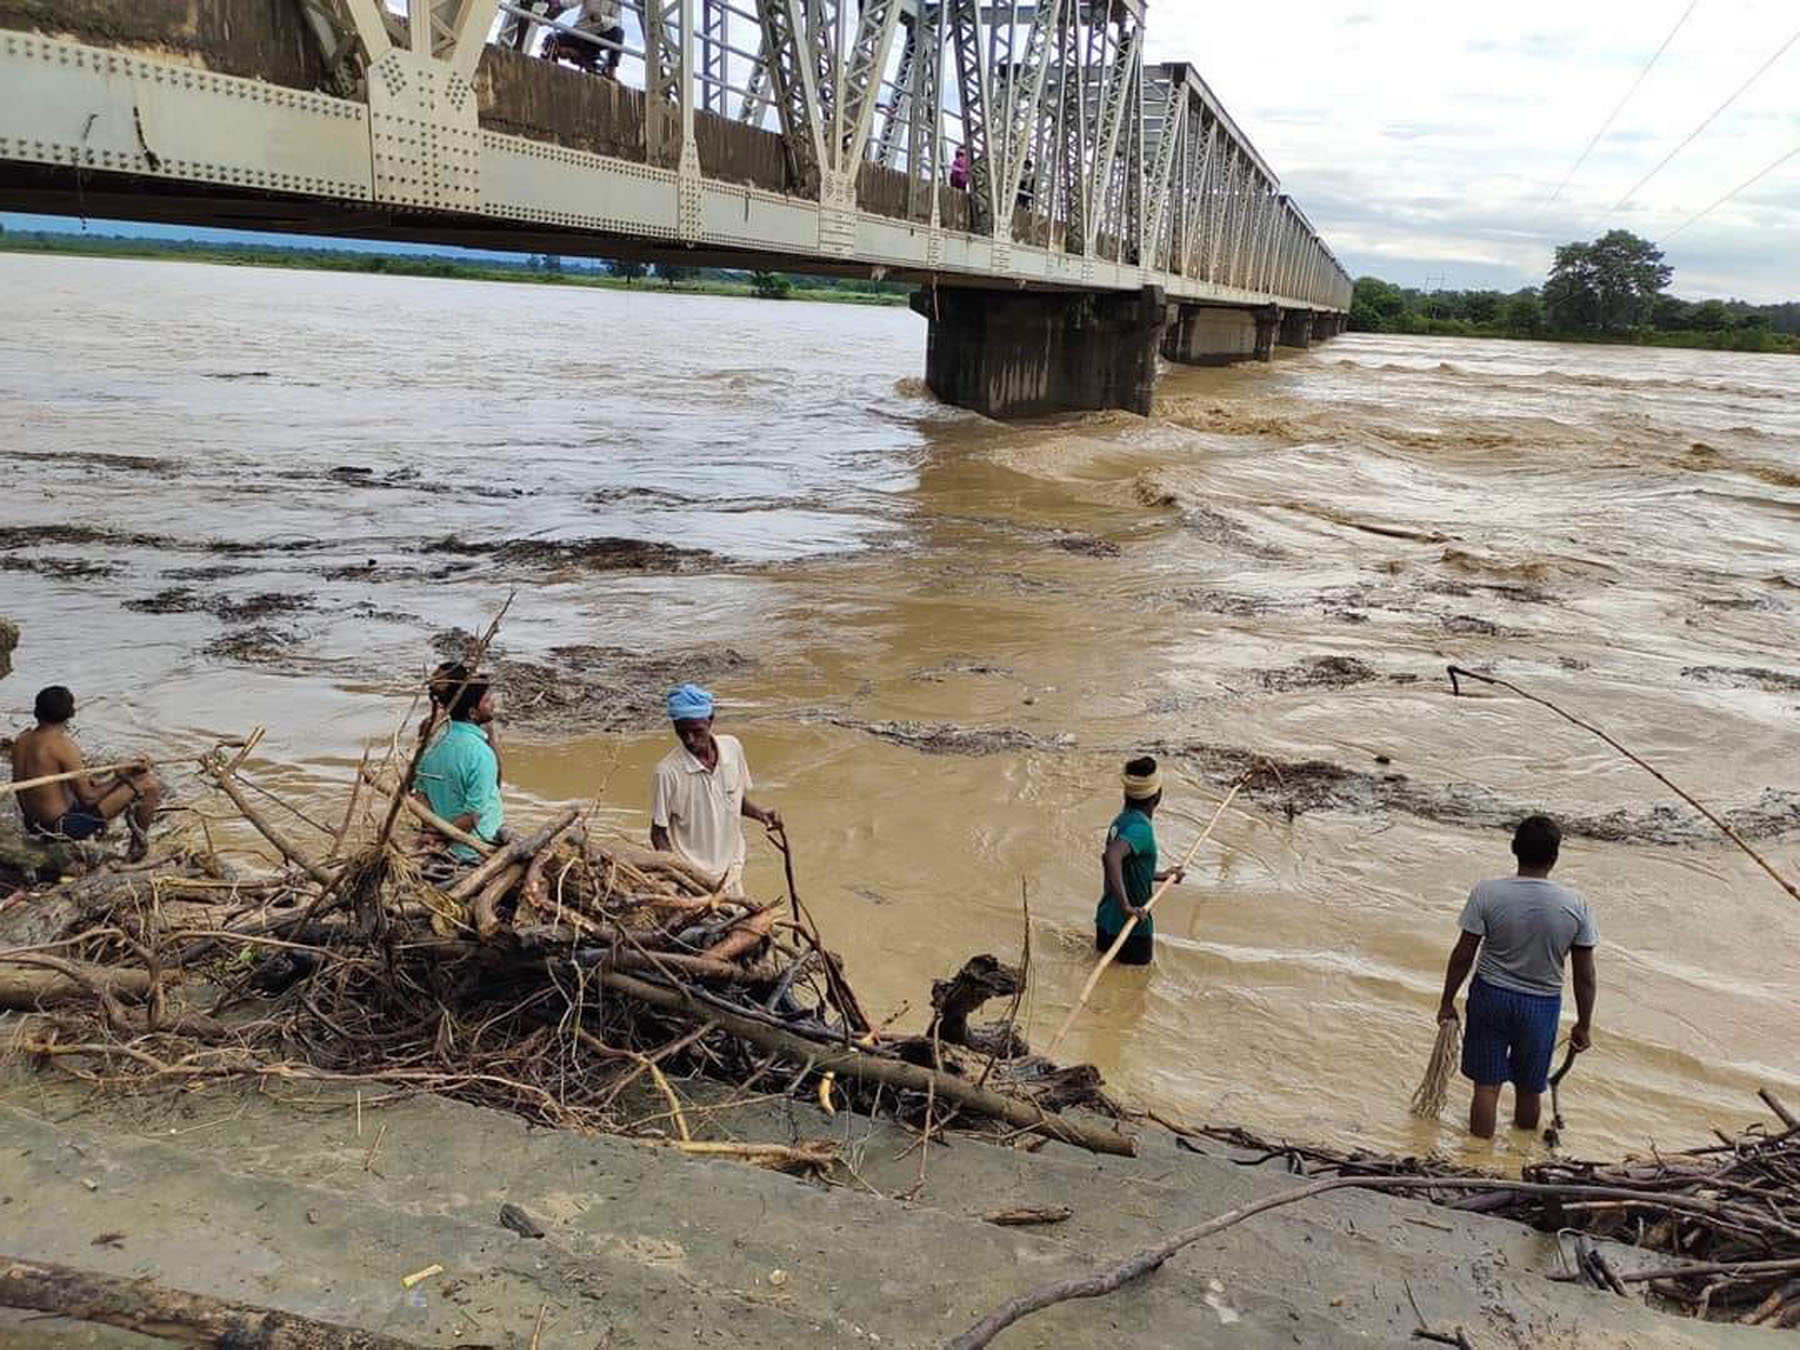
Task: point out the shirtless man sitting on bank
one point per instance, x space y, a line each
80 807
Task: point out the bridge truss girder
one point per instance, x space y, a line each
1086 166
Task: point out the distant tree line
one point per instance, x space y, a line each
1613 289
541 267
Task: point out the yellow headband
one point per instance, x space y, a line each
1141 789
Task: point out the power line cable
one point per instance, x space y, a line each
1744 186
1619 107
1712 117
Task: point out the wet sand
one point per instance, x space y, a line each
251 498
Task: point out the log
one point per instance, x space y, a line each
518 851
535 892
25 988
173 1314
848 1062
484 909
744 936
649 860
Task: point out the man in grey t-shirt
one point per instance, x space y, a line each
1524 928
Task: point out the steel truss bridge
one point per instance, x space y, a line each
1008 147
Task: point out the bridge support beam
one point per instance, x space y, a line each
1297 328
1028 353
1268 325
1210 335
1327 326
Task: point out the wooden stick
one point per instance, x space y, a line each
856 1022
1142 1263
286 847
1087 990
1645 765
356 784
1774 1104
426 816
1774 1267
172 1314
848 1062
23 784
807 1155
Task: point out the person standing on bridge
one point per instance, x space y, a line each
959 169
517 32
1128 867
598 19
1524 927
698 800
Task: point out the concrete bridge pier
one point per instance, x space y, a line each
1028 353
1297 328
1210 335
1268 327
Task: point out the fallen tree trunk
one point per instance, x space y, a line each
848 1062
24 988
174 1315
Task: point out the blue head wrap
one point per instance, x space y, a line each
690 702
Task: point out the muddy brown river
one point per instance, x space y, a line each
240 497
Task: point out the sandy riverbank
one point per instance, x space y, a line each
275 1198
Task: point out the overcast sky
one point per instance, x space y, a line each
1424 137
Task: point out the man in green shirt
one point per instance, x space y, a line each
459 776
1128 867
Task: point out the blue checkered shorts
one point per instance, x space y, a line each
1510 1036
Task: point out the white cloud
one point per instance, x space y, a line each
1424 138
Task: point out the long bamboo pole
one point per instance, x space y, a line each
1087 990
22 784
1642 763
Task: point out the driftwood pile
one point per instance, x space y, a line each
1718 1226
550 978
1729 1213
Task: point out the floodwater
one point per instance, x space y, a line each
939 637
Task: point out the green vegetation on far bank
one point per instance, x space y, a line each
541 269
1611 290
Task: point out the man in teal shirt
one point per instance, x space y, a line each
1128 867
459 776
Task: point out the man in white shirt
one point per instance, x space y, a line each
1524 927
697 794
